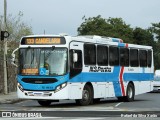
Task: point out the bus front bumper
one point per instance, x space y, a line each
49 95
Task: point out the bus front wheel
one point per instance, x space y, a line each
44 102
87 96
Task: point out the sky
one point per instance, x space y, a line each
65 16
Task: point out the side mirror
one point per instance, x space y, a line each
13 57
75 57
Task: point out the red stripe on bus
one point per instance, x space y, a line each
126 45
121 80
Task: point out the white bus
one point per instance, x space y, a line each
83 68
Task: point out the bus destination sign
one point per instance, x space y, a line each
43 41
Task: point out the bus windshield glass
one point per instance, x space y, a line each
43 61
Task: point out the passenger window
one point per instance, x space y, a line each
143 58
89 54
149 58
102 55
113 56
124 57
134 58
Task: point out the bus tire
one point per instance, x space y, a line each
44 102
130 93
87 96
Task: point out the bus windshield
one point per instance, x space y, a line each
43 61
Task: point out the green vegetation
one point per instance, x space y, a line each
16 28
116 27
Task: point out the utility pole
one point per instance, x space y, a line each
5 50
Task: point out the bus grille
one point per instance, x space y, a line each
39 80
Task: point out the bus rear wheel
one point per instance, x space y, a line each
44 102
130 93
87 96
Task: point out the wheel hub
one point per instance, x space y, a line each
130 92
85 95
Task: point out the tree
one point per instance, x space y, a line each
120 29
142 36
116 27
93 26
155 29
16 28
112 27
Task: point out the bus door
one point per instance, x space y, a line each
75 59
75 63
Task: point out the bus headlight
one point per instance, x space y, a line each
20 87
58 88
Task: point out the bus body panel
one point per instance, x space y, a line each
107 81
74 91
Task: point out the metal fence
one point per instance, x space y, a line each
11 76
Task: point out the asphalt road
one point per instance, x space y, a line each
145 105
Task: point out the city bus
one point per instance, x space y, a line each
82 68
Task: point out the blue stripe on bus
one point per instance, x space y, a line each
51 86
117 89
116 85
97 76
138 76
116 40
89 77
121 44
110 77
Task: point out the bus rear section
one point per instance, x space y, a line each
114 69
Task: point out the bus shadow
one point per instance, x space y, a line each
72 104
155 92
139 100
105 101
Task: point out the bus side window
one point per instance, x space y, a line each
75 63
102 55
149 58
143 58
89 54
134 62
124 57
113 56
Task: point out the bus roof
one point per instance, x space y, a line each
92 39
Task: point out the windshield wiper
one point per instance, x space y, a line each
47 56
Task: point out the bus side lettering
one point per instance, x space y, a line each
99 69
